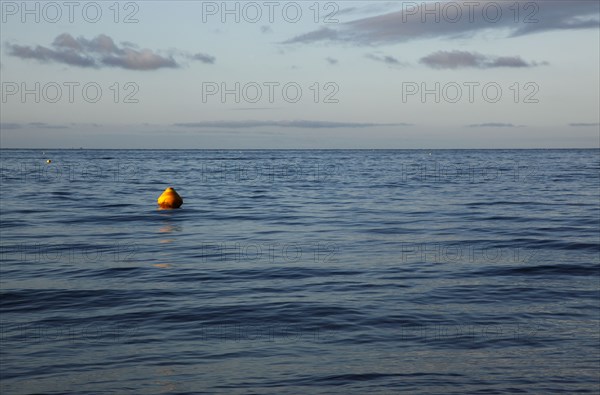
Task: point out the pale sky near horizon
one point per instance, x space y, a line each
305 74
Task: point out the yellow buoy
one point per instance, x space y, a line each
170 199
49 161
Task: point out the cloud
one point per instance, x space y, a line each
43 125
99 44
139 60
348 10
458 19
38 125
492 125
204 58
584 125
509 61
44 54
331 60
390 60
100 51
9 125
462 59
67 41
321 34
129 44
375 7
252 108
305 124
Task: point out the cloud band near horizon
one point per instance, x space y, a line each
304 124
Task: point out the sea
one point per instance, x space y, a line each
300 272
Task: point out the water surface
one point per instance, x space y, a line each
286 272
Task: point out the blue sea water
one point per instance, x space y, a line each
293 272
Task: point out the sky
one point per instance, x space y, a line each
304 74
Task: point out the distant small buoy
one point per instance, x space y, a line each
170 199
49 161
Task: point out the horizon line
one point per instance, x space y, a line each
296 149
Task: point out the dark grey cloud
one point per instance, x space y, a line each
492 125
43 54
331 60
305 124
408 24
584 124
510 61
452 60
204 58
97 52
462 59
390 60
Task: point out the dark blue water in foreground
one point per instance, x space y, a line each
300 272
